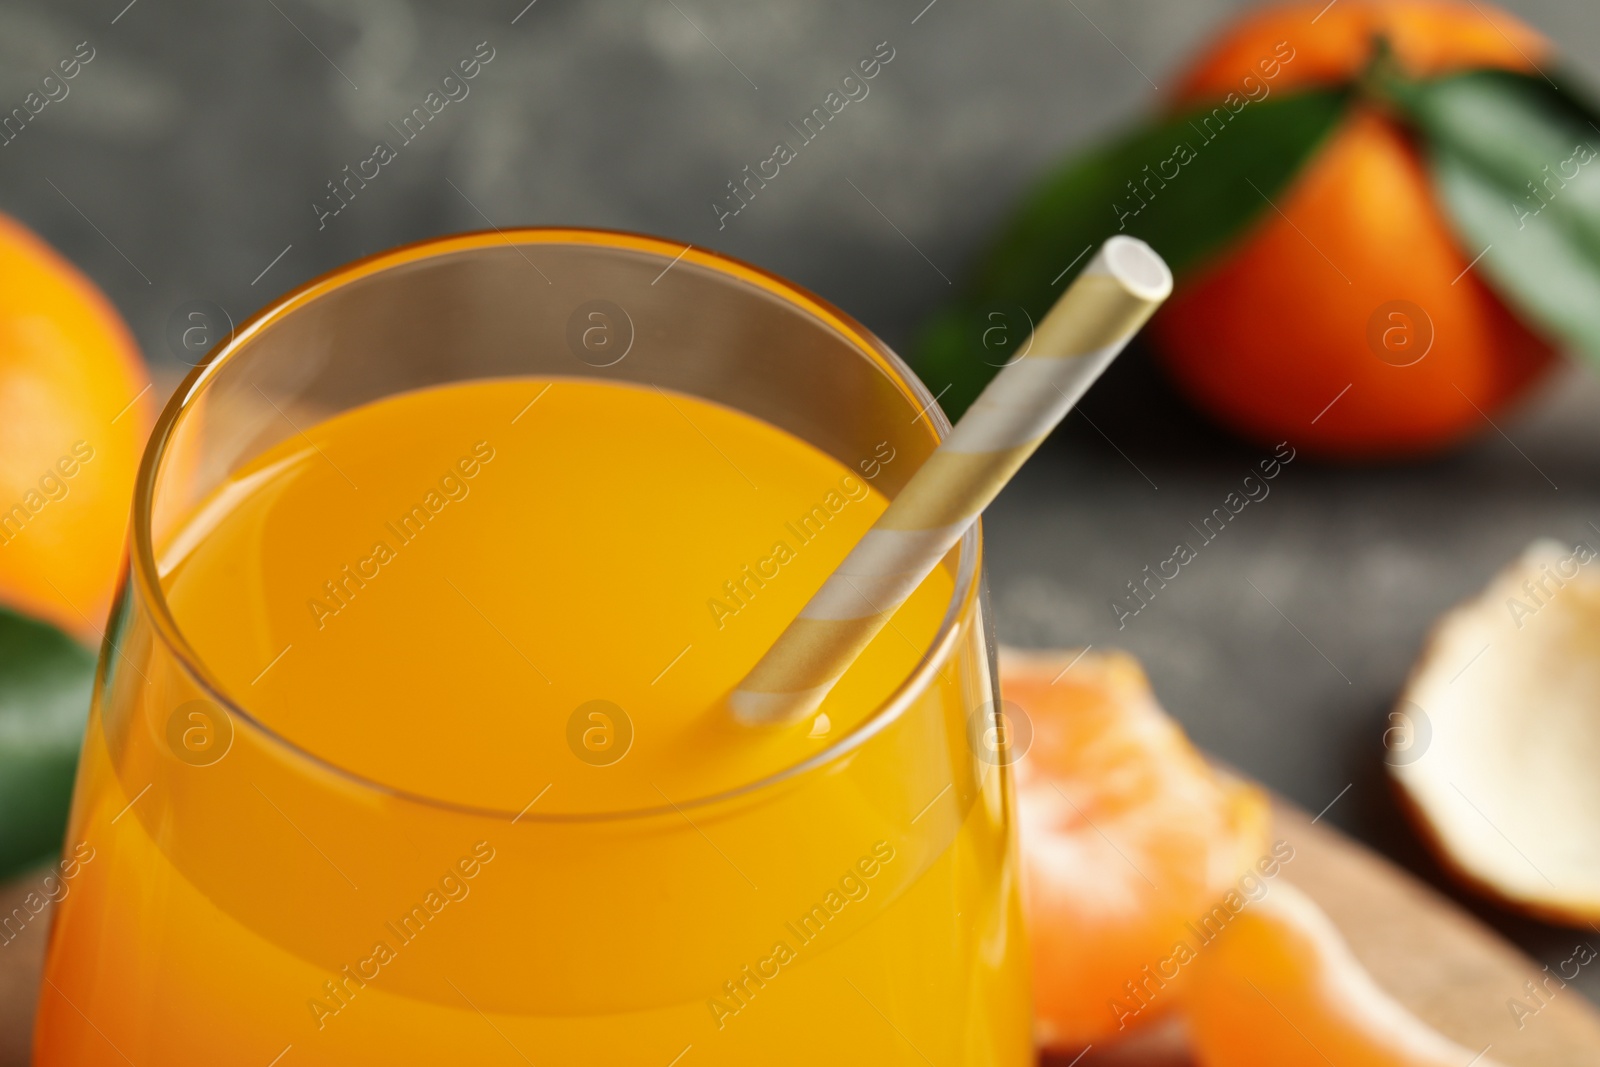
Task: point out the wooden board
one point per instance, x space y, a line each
1437 960
20 962
1443 964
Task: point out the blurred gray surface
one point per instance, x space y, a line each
185 161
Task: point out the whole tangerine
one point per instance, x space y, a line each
1348 317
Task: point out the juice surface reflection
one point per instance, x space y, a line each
514 603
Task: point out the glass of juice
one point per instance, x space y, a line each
408 742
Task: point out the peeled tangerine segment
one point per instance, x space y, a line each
1496 742
1128 834
1280 988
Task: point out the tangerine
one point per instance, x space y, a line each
74 412
1347 318
1128 834
1280 988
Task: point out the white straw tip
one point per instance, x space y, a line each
1137 266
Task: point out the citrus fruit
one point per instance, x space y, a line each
74 411
1376 213
1346 318
1127 836
1280 988
1332 43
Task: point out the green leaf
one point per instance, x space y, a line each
1187 184
45 682
1516 164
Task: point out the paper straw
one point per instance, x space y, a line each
1076 340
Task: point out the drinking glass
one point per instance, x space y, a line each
858 907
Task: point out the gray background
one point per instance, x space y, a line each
188 153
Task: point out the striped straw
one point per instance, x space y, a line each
1094 319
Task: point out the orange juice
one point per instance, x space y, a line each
477 800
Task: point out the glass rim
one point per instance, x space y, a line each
145 576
